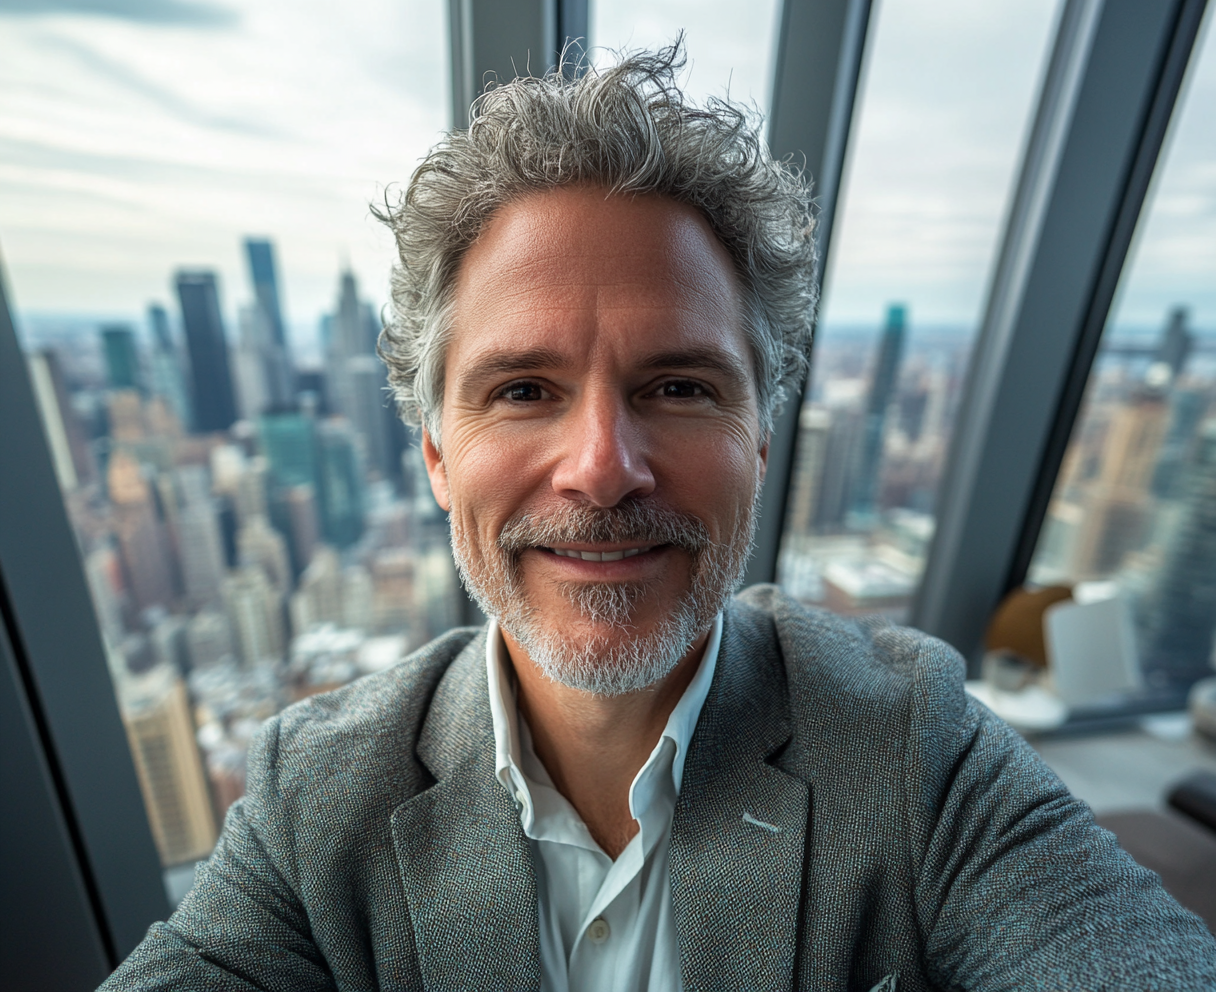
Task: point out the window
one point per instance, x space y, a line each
947 96
196 279
1134 505
729 45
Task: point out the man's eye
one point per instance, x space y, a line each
523 392
681 389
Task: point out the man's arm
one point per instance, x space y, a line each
241 926
1018 888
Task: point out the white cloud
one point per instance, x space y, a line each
132 148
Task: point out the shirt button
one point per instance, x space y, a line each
521 798
599 930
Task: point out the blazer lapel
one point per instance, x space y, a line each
739 834
465 863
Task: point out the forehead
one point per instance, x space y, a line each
582 267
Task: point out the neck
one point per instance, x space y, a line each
594 746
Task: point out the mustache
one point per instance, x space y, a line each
634 521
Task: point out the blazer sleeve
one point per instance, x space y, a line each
242 926
1017 887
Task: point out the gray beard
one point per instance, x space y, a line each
624 660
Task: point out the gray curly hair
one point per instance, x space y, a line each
629 129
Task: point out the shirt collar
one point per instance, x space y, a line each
505 715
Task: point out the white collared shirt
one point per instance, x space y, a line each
604 925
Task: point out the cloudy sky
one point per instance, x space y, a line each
139 136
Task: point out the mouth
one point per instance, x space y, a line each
589 554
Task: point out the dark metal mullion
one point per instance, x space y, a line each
810 117
1155 128
1112 80
52 624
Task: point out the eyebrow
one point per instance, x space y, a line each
512 363
529 360
709 359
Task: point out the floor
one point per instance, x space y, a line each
1132 769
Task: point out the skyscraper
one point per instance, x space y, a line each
360 378
272 343
139 531
160 729
260 253
211 377
813 426
882 391
1180 615
201 549
341 489
122 357
255 612
168 374
1118 503
288 440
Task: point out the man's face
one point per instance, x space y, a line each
601 448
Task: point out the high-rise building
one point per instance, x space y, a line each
199 542
125 408
122 357
261 546
1177 342
814 423
288 440
168 375
262 271
275 355
249 362
160 729
341 485
360 378
1118 502
842 449
210 374
1179 617
297 505
882 392
255 611
318 600
139 532
209 640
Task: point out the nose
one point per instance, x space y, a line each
603 453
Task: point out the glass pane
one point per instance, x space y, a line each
729 44
946 99
184 203
1133 514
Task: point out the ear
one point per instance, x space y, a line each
762 456
436 471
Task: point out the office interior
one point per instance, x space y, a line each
208 510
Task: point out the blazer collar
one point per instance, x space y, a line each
740 831
738 844
465 864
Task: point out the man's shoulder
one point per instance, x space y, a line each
853 674
363 735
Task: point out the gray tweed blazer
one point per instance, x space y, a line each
919 843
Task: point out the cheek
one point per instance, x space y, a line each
489 479
714 479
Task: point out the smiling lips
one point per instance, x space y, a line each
599 555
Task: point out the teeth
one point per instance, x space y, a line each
597 555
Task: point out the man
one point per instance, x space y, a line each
629 781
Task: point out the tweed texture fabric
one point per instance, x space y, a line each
849 820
